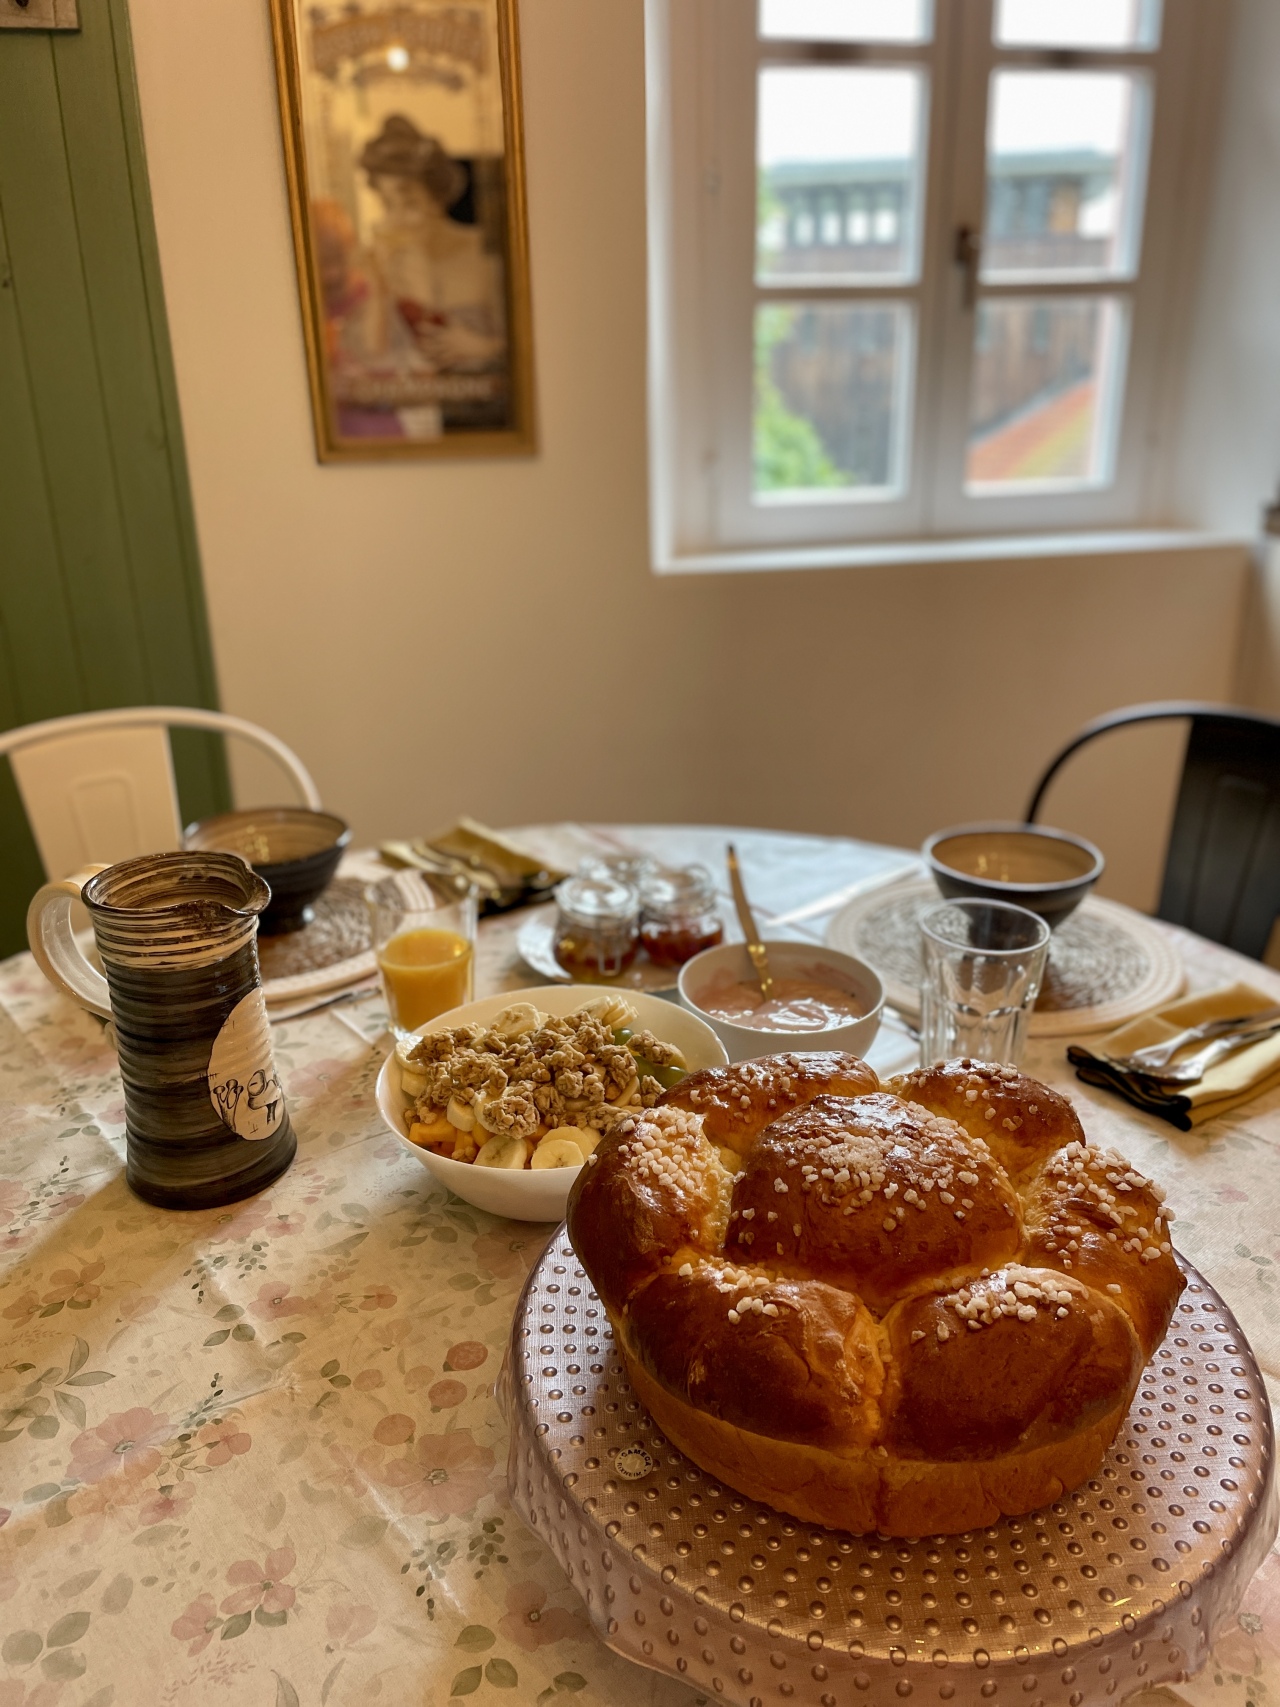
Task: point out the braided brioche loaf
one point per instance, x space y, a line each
906 1309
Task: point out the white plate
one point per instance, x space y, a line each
535 1194
1107 963
535 946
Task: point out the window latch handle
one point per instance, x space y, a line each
967 254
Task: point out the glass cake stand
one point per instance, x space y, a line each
1118 1586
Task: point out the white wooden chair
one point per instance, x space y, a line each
99 787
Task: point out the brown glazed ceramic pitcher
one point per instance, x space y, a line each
205 1118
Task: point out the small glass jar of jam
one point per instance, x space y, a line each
597 925
679 917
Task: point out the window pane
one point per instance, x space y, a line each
1046 391
846 20
1078 23
1066 167
830 385
839 174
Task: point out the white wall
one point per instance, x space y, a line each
488 637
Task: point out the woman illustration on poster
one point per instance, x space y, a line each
403 144
436 278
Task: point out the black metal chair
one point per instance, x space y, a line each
1222 865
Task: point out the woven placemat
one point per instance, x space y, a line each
1106 962
331 951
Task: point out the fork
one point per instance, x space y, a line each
1194 1068
1157 1055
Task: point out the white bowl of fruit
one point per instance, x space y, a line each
504 1099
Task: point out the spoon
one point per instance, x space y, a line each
747 919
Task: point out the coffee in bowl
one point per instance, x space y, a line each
1045 870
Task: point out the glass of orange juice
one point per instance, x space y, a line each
424 937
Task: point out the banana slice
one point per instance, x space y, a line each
460 1115
518 1020
405 1047
503 1153
478 1104
586 1138
559 1150
413 1081
612 1011
575 1134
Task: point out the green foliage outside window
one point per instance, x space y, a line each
789 453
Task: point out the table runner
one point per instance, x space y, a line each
252 1455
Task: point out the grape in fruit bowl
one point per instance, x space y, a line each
504 1099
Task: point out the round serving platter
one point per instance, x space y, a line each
1106 962
1118 1586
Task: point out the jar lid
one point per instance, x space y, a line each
597 900
632 869
688 890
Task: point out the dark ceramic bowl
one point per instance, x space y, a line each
294 849
1047 871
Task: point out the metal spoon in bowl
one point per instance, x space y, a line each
746 918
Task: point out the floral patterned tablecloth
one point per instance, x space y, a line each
252 1455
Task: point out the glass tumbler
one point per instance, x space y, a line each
424 938
983 965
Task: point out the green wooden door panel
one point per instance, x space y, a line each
40 654
153 517
8 704
52 294
21 872
101 602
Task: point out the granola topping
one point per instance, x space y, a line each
489 1093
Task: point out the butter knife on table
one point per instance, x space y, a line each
750 930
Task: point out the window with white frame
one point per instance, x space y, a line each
916 266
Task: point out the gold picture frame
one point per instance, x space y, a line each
404 152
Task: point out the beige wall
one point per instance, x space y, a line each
1230 442
489 638
1230 463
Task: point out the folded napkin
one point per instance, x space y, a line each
1243 1075
503 874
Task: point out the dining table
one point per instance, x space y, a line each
255 1455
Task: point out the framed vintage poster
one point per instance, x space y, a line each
403 146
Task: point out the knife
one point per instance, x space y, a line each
746 918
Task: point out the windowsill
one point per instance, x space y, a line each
1039 547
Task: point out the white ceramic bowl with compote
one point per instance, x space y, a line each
535 1194
709 981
